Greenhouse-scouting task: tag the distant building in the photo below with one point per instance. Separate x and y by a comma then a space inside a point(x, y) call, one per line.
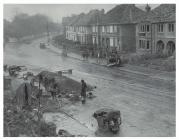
point(78, 29)
point(70, 30)
point(155, 33)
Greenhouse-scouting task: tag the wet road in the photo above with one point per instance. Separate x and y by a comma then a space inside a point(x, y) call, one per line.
point(147, 104)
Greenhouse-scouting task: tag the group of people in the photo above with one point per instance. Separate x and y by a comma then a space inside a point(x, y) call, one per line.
point(52, 87)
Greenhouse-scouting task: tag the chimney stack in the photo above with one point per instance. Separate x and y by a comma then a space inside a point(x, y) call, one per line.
point(147, 8)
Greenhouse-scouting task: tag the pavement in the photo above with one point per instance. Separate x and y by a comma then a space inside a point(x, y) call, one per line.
point(163, 75)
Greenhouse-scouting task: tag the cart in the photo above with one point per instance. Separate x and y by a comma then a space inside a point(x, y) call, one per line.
point(108, 119)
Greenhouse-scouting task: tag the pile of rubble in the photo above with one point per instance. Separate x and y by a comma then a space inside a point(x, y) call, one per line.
point(23, 110)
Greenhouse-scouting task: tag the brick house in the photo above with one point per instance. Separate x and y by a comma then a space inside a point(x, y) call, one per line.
point(116, 31)
point(155, 33)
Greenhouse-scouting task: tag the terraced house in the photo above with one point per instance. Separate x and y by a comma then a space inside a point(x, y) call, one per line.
point(79, 28)
point(155, 32)
point(69, 28)
point(125, 28)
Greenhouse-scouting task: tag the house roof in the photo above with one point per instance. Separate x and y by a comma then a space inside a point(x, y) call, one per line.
point(165, 13)
point(123, 14)
point(70, 20)
point(83, 19)
point(90, 18)
point(162, 13)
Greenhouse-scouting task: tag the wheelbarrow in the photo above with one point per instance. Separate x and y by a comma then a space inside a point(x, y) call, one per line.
point(108, 120)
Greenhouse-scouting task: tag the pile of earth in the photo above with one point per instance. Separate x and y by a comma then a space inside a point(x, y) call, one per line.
point(65, 84)
point(68, 91)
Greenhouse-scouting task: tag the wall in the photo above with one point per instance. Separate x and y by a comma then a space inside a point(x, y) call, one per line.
point(165, 36)
point(143, 35)
point(128, 37)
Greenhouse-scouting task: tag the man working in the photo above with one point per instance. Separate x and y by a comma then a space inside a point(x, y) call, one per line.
point(83, 91)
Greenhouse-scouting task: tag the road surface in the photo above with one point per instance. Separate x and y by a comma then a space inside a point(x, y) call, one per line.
point(147, 104)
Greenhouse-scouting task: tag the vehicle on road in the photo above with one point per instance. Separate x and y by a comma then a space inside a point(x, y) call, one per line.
point(114, 60)
point(42, 45)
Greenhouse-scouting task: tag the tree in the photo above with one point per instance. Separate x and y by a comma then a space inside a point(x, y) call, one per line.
point(25, 25)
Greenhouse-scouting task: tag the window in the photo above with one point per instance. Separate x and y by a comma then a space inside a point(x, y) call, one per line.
point(111, 42)
point(142, 44)
point(115, 29)
point(111, 29)
point(148, 44)
point(140, 28)
point(115, 42)
point(93, 28)
point(160, 27)
point(171, 27)
point(103, 29)
point(96, 29)
point(148, 28)
point(94, 40)
point(144, 28)
point(108, 29)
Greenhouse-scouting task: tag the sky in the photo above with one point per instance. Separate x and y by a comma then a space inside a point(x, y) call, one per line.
point(55, 11)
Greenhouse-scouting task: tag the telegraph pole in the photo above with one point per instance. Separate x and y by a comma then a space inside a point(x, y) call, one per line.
point(48, 38)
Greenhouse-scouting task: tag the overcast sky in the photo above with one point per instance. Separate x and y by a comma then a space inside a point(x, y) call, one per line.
point(55, 11)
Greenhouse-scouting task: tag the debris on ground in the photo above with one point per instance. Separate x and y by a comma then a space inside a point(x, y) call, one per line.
point(23, 109)
point(14, 70)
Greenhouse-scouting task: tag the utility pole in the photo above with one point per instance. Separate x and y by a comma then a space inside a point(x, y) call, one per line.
point(97, 33)
point(48, 36)
point(97, 40)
